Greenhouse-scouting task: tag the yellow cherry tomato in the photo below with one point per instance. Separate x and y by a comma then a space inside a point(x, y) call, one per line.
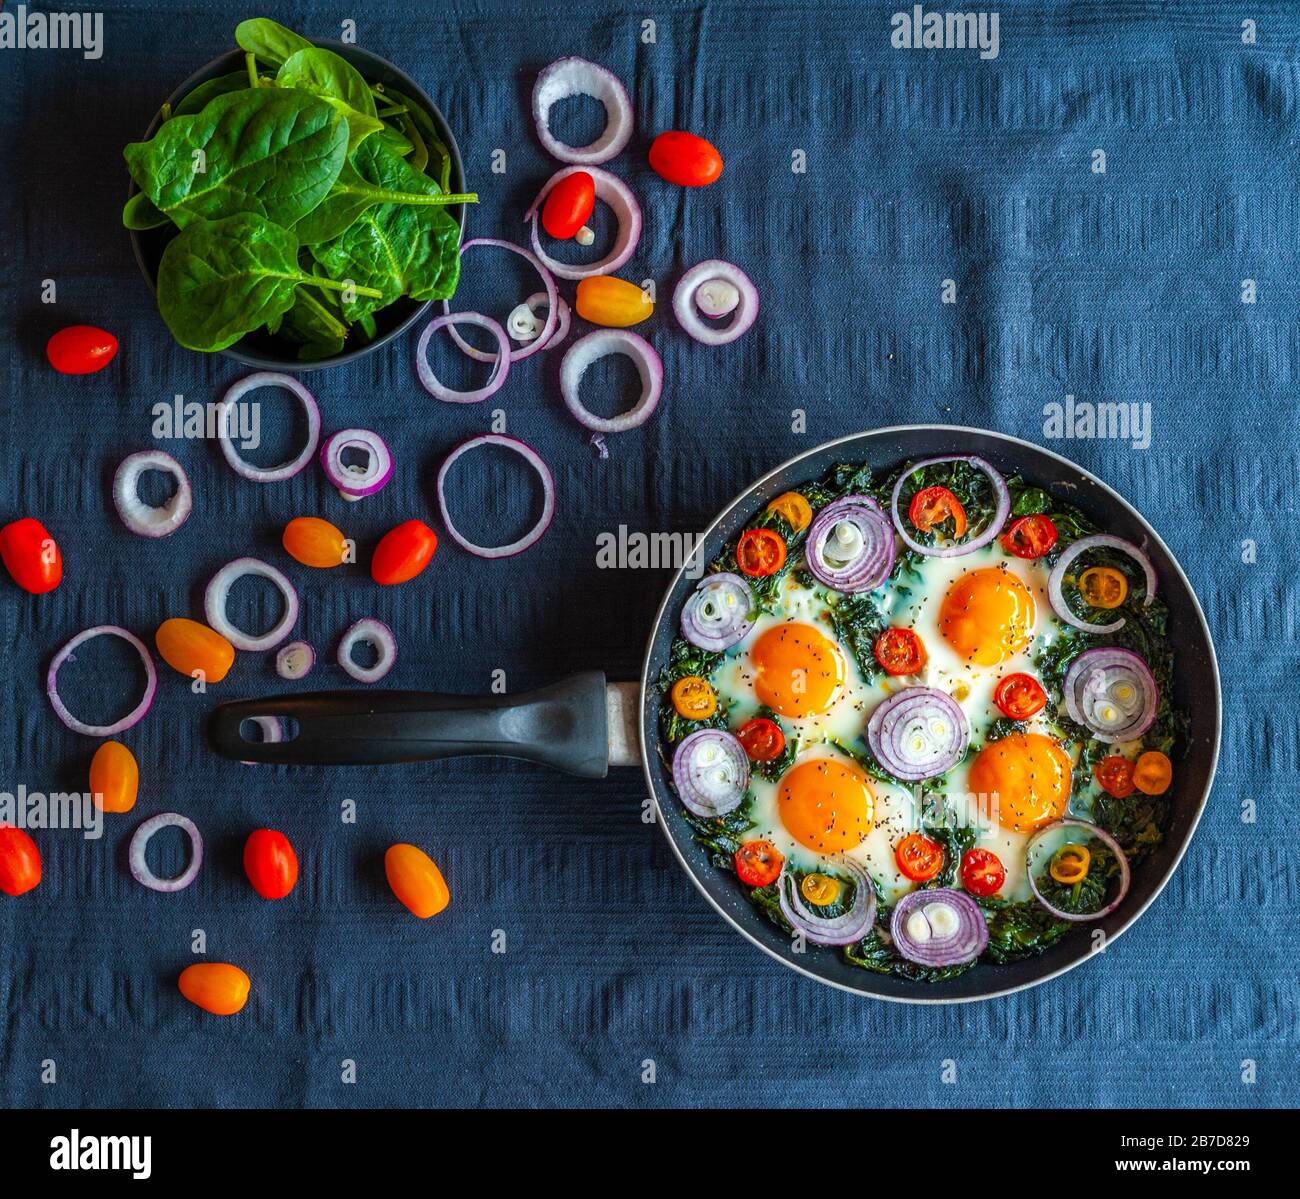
point(416, 880)
point(314, 542)
point(187, 646)
point(604, 300)
point(819, 889)
point(216, 987)
point(694, 698)
point(1102, 587)
point(796, 510)
point(114, 777)
point(1070, 864)
point(1152, 773)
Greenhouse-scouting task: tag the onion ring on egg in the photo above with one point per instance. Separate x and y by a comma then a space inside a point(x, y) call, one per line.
point(133, 717)
point(685, 302)
point(711, 772)
point(140, 517)
point(591, 348)
point(918, 733)
point(270, 474)
point(954, 933)
point(862, 533)
point(717, 614)
point(578, 77)
point(1072, 551)
point(1125, 874)
point(218, 591)
point(996, 521)
point(852, 926)
point(613, 192)
point(1089, 693)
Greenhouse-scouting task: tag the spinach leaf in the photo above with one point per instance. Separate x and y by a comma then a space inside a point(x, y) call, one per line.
point(336, 81)
point(315, 324)
point(223, 85)
point(439, 157)
point(396, 141)
point(140, 212)
point(269, 40)
point(1019, 929)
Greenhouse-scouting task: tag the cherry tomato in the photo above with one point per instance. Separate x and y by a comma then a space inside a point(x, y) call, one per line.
point(1020, 696)
point(760, 552)
point(694, 698)
point(758, 863)
point(1115, 774)
point(899, 651)
point(820, 889)
point(1153, 773)
point(416, 880)
point(615, 303)
point(919, 858)
point(80, 350)
point(194, 650)
point(1103, 587)
point(685, 159)
point(569, 205)
point(114, 778)
point(314, 542)
point(31, 556)
point(931, 506)
point(216, 987)
point(1030, 537)
point(982, 872)
point(762, 739)
point(403, 552)
point(20, 861)
point(270, 863)
point(1069, 864)
point(794, 508)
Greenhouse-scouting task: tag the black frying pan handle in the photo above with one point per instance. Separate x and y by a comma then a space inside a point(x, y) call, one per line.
point(563, 725)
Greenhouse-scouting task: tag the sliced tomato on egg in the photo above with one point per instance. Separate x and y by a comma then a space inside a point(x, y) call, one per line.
point(931, 506)
point(1020, 696)
point(760, 552)
point(900, 651)
point(758, 863)
point(762, 739)
point(1030, 536)
point(919, 858)
point(982, 872)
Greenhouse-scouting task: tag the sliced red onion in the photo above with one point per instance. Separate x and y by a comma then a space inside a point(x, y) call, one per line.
point(138, 516)
point(214, 604)
point(711, 772)
point(133, 717)
point(999, 518)
point(938, 926)
point(534, 460)
point(1111, 692)
point(851, 926)
point(538, 300)
point(501, 359)
point(1125, 874)
point(586, 350)
point(719, 612)
point(225, 410)
point(368, 632)
point(918, 733)
point(295, 660)
point(1057, 577)
point(577, 77)
point(850, 545)
point(610, 190)
point(692, 294)
point(140, 840)
point(552, 301)
point(356, 481)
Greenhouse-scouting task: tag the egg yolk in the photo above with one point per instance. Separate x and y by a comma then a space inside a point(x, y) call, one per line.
point(987, 616)
point(798, 670)
point(1023, 781)
point(826, 805)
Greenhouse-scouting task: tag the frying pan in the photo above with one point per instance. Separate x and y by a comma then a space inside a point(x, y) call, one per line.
point(584, 725)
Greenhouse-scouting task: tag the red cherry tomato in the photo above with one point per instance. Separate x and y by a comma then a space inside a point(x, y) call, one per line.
point(1020, 696)
point(1115, 774)
point(31, 556)
point(270, 863)
point(982, 872)
point(762, 739)
point(1030, 537)
point(932, 506)
point(899, 651)
point(759, 863)
point(403, 552)
point(80, 350)
point(20, 861)
point(919, 858)
point(760, 552)
point(685, 159)
point(569, 205)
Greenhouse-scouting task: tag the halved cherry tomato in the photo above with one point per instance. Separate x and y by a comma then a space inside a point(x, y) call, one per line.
point(31, 556)
point(114, 778)
point(314, 542)
point(416, 880)
point(614, 303)
point(931, 506)
point(20, 861)
point(569, 205)
point(403, 552)
point(982, 872)
point(1115, 774)
point(189, 648)
point(216, 987)
point(762, 739)
point(1070, 864)
point(1030, 536)
point(685, 159)
point(80, 350)
point(1020, 696)
point(820, 889)
point(694, 698)
point(758, 863)
point(919, 858)
point(794, 508)
point(899, 651)
point(1103, 587)
point(1153, 773)
point(760, 552)
point(270, 863)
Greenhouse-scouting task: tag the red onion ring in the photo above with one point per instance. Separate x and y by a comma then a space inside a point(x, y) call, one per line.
point(295, 660)
point(963, 944)
point(369, 632)
point(918, 733)
point(577, 77)
point(501, 359)
point(140, 517)
point(133, 717)
point(718, 613)
point(1091, 680)
point(705, 332)
point(610, 190)
point(999, 518)
point(562, 322)
point(354, 482)
point(140, 840)
point(548, 496)
point(874, 559)
point(594, 346)
point(552, 299)
point(710, 772)
point(271, 474)
point(1125, 874)
point(1072, 551)
point(218, 591)
point(851, 926)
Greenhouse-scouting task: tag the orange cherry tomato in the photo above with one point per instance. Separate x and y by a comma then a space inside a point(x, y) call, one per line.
point(416, 880)
point(403, 552)
point(314, 542)
point(20, 861)
point(919, 858)
point(685, 159)
point(216, 987)
point(900, 651)
point(1020, 696)
point(1030, 537)
point(794, 508)
point(931, 506)
point(760, 552)
point(982, 872)
point(1153, 772)
point(114, 778)
point(31, 556)
point(762, 739)
point(758, 863)
point(80, 350)
point(189, 647)
point(615, 303)
point(270, 863)
point(569, 205)
point(1115, 774)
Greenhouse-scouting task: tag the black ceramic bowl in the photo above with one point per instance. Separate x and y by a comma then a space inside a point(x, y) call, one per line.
point(260, 349)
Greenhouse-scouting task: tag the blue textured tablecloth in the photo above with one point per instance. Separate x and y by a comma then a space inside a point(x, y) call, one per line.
point(921, 166)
